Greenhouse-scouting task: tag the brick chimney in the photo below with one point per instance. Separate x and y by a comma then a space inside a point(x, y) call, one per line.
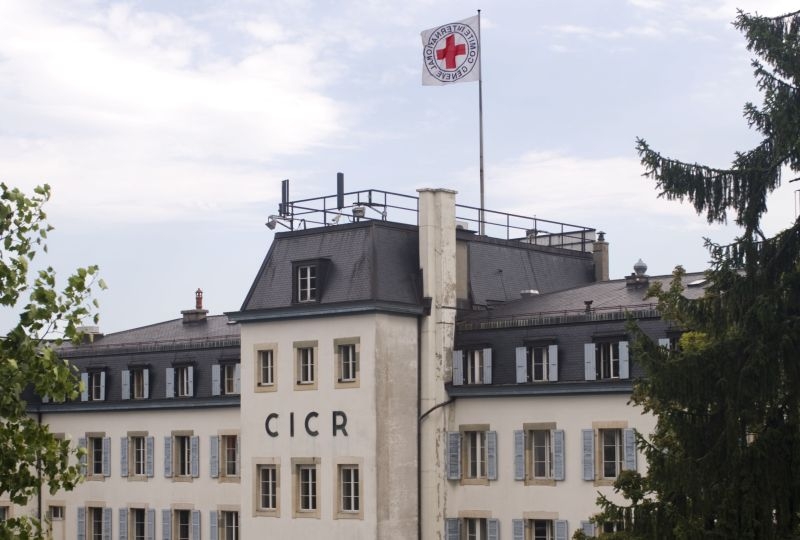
point(600, 257)
point(198, 314)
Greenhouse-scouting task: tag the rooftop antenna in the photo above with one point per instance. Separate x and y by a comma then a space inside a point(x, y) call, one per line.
point(339, 190)
point(283, 207)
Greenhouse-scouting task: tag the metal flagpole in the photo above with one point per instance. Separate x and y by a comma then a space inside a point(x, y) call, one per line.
point(482, 230)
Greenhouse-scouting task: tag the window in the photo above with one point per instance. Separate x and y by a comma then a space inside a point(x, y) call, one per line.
point(225, 379)
point(230, 455)
point(611, 452)
point(349, 491)
point(54, 512)
point(472, 366)
point(266, 368)
point(347, 363)
point(475, 528)
point(306, 283)
point(608, 449)
point(180, 381)
point(95, 456)
point(4, 513)
point(183, 456)
point(183, 524)
point(138, 455)
point(541, 453)
point(472, 454)
point(95, 462)
point(541, 529)
point(139, 383)
point(268, 488)
point(138, 523)
point(305, 365)
point(472, 528)
point(306, 487)
point(475, 455)
point(93, 385)
point(606, 360)
point(95, 521)
point(228, 525)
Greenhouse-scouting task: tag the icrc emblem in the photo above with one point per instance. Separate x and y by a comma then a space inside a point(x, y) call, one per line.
point(450, 52)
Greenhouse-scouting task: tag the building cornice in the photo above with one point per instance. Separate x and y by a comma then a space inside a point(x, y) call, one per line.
point(138, 405)
point(541, 389)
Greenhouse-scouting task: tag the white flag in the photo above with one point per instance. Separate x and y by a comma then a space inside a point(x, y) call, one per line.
point(451, 53)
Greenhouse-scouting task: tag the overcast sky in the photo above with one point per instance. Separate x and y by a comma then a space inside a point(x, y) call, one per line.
point(164, 128)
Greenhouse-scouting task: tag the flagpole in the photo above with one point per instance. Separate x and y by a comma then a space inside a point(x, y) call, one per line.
point(482, 230)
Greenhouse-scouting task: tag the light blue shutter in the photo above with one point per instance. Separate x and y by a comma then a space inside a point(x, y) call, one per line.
point(166, 524)
point(123, 524)
point(491, 455)
point(150, 524)
point(587, 436)
point(106, 456)
point(84, 387)
point(215, 385)
point(195, 524)
point(107, 512)
point(522, 364)
point(629, 447)
point(126, 384)
point(561, 529)
point(587, 527)
point(195, 456)
point(624, 364)
point(558, 454)
point(82, 444)
point(237, 378)
point(519, 455)
point(452, 529)
point(214, 456)
point(212, 521)
point(487, 366)
point(590, 372)
point(149, 457)
point(493, 529)
point(168, 457)
point(238, 446)
point(146, 383)
point(191, 380)
point(552, 359)
point(453, 455)
point(81, 523)
point(518, 529)
point(458, 368)
point(170, 380)
point(123, 457)
point(102, 386)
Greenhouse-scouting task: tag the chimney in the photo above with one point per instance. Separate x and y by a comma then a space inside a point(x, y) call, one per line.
point(600, 257)
point(198, 314)
point(638, 278)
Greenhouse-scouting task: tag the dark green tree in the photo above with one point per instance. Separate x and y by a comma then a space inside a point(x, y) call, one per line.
point(724, 459)
point(31, 458)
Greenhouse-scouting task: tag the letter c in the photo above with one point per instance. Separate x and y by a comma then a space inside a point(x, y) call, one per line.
point(270, 418)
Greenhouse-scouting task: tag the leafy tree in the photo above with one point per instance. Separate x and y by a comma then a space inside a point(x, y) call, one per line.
point(32, 458)
point(724, 459)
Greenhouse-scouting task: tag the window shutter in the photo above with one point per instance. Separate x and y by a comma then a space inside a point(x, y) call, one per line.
point(82, 444)
point(453, 455)
point(166, 524)
point(150, 524)
point(587, 527)
point(590, 372)
point(107, 456)
point(81, 523)
point(123, 524)
point(146, 383)
point(518, 529)
point(558, 454)
point(195, 449)
point(238, 446)
point(85, 388)
point(170, 376)
point(458, 368)
point(624, 364)
point(150, 441)
point(45, 399)
point(237, 378)
point(493, 529)
point(191, 380)
point(561, 529)
point(123, 457)
point(215, 385)
point(491, 455)
point(126, 384)
point(519, 455)
point(102, 386)
point(487, 366)
point(629, 447)
point(195, 524)
point(212, 521)
point(522, 364)
point(663, 342)
point(214, 456)
point(552, 359)
point(168, 457)
point(452, 529)
point(588, 453)
point(107, 523)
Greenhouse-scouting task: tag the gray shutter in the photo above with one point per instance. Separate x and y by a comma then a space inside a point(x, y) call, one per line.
point(238, 446)
point(487, 366)
point(146, 383)
point(107, 512)
point(166, 524)
point(663, 342)
point(168, 457)
point(493, 529)
point(215, 385)
point(519, 455)
point(123, 524)
point(552, 359)
point(82, 444)
point(102, 386)
point(45, 399)
point(123, 457)
point(212, 521)
point(191, 380)
point(590, 371)
point(518, 529)
point(452, 529)
point(629, 447)
point(106, 456)
point(458, 368)
point(561, 529)
point(522, 364)
point(170, 375)
point(491, 455)
point(587, 437)
point(150, 524)
point(587, 527)
point(237, 379)
point(453, 455)
point(214, 456)
point(195, 524)
point(85, 389)
point(624, 364)
point(150, 441)
point(126, 384)
point(195, 456)
point(81, 523)
point(558, 454)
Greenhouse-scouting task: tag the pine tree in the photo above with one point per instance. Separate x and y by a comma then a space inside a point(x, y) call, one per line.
point(724, 459)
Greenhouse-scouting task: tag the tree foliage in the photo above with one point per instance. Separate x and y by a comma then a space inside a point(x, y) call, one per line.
point(31, 458)
point(724, 459)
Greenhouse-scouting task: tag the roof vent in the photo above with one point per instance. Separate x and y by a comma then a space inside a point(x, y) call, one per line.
point(525, 293)
point(638, 278)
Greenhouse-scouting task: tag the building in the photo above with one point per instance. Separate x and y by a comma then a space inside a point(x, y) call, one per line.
point(380, 380)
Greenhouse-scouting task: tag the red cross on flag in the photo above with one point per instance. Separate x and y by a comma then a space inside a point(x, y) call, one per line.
point(451, 53)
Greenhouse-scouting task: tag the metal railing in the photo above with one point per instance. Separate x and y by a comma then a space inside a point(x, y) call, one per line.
point(565, 316)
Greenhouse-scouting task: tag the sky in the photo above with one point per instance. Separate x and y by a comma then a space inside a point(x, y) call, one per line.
point(165, 127)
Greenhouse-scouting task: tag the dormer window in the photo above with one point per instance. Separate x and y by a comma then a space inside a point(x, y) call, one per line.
point(307, 283)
